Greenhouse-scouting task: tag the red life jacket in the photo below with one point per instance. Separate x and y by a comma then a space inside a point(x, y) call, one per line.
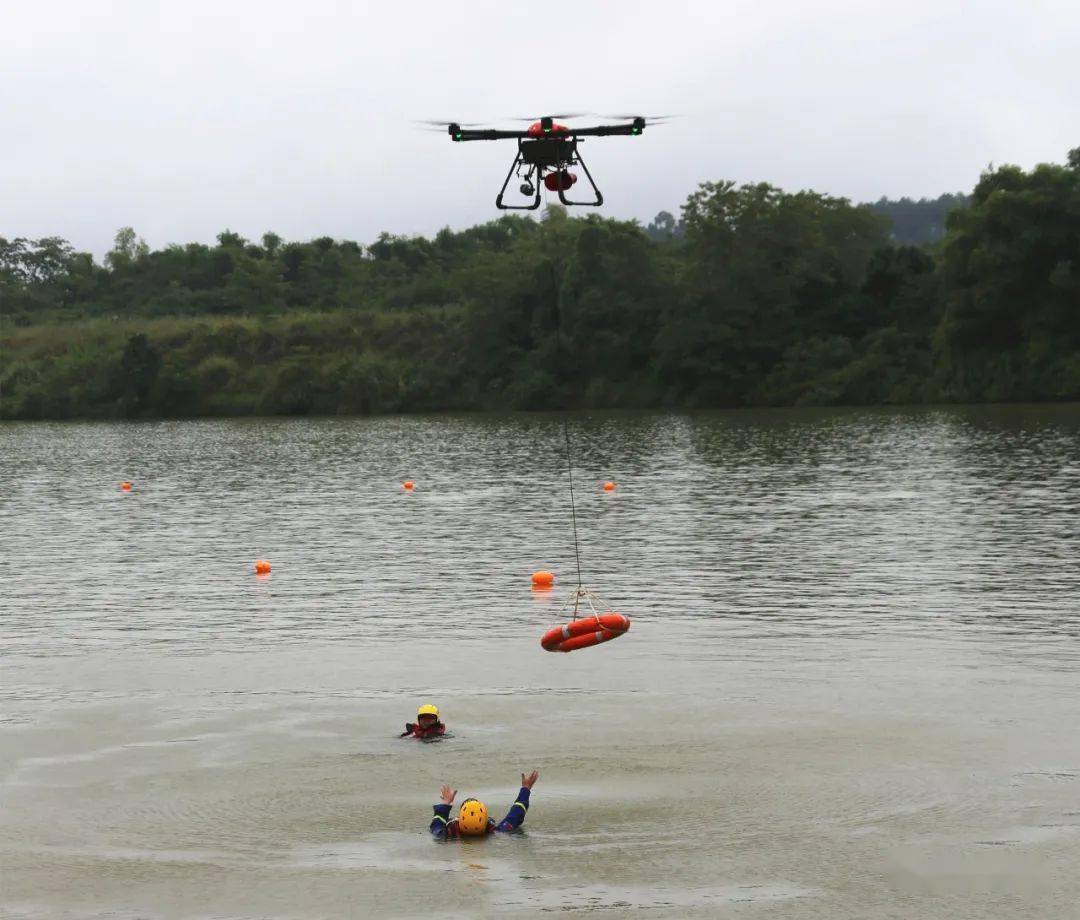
point(437, 729)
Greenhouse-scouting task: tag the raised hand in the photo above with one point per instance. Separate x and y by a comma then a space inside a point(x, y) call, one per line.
point(529, 781)
point(447, 794)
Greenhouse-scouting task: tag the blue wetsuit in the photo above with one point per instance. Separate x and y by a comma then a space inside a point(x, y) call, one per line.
point(445, 829)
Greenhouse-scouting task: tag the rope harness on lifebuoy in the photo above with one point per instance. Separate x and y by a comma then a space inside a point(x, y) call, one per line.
point(590, 630)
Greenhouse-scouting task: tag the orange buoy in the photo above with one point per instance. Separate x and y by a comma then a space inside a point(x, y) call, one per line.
point(609, 486)
point(262, 567)
point(582, 633)
point(543, 579)
point(408, 485)
point(125, 486)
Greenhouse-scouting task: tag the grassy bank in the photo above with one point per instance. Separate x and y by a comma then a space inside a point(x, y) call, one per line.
point(296, 363)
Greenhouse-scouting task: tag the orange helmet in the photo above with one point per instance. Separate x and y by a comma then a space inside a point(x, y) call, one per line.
point(473, 818)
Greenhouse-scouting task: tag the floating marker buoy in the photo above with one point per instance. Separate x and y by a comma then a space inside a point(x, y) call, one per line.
point(262, 567)
point(125, 487)
point(408, 485)
point(609, 486)
point(543, 579)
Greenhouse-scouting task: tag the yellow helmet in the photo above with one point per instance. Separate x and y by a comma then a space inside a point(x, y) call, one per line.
point(473, 818)
point(428, 710)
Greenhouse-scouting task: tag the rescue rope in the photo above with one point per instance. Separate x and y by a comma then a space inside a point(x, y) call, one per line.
point(573, 510)
point(566, 439)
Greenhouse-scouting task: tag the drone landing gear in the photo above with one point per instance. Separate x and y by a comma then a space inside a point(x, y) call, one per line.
point(599, 199)
point(535, 157)
point(527, 184)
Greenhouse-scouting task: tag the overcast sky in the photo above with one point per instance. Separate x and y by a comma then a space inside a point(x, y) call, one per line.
point(185, 118)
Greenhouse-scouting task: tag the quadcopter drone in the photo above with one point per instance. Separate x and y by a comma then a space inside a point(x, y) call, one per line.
point(545, 152)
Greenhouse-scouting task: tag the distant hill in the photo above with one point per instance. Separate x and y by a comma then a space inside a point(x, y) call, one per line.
point(917, 223)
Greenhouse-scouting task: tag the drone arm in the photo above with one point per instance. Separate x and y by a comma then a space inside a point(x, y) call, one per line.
point(485, 134)
point(609, 131)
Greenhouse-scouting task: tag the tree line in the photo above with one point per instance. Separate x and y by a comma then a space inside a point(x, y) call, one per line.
point(919, 222)
point(753, 296)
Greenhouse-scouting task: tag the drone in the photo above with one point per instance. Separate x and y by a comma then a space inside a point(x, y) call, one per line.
point(546, 151)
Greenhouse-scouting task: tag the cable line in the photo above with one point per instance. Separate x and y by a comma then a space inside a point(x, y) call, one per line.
point(573, 511)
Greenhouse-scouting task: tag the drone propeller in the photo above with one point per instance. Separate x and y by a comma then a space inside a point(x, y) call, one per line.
point(649, 119)
point(441, 127)
point(445, 123)
point(565, 115)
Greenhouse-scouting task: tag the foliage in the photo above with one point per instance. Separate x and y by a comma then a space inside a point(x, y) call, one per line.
point(753, 296)
point(1011, 327)
point(921, 222)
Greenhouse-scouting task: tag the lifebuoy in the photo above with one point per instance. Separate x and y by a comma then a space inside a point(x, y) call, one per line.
point(583, 633)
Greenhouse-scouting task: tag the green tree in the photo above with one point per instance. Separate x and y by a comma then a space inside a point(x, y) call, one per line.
point(127, 248)
point(1011, 328)
point(140, 363)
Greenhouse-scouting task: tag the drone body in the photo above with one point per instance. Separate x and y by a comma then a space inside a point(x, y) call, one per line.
point(546, 151)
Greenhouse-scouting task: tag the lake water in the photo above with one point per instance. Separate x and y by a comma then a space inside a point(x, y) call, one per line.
point(851, 686)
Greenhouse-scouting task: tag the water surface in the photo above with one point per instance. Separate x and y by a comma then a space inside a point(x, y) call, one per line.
point(849, 690)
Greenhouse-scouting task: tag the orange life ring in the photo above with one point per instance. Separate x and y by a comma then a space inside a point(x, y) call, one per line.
point(583, 633)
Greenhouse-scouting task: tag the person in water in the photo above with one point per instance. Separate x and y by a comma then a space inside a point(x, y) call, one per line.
point(473, 820)
point(427, 725)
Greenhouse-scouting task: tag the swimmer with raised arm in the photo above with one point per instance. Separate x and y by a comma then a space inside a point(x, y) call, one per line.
point(472, 819)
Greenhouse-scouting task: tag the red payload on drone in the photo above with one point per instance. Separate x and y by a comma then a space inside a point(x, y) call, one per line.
point(559, 181)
